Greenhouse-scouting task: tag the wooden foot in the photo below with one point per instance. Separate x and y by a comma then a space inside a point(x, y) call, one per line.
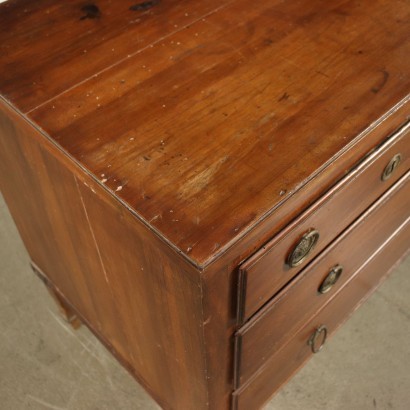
point(65, 310)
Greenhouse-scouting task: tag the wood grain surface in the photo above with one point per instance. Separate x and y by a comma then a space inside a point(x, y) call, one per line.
point(208, 127)
point(49, 46)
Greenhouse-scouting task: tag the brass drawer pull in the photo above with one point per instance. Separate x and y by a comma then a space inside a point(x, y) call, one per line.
point(321, 330)
point(303, 248)
point(331, 279)
point(391, 167)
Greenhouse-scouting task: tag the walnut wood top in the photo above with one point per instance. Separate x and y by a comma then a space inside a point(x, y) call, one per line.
point(204, 116)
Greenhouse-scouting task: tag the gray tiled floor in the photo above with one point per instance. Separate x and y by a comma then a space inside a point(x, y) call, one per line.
point(46, 365)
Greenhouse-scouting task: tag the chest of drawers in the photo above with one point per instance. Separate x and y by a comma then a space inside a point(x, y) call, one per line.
point(211, 187)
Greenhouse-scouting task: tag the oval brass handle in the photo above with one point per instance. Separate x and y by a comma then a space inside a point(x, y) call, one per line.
point(312, 342)
point(331, 279)
point(391, 167)
point(303, 248)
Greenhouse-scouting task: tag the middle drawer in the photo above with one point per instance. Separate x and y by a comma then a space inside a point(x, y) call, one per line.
point(258, 339)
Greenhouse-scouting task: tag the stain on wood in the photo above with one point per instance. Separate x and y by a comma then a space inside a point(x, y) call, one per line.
point(285, 96)
point(382, 82)
point(146, 5)
point(91, 12)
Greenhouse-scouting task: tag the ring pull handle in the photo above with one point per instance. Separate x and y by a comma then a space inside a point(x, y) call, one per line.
point(391, 167)
point(331, 279)
point(303, 248)
point(320, 335)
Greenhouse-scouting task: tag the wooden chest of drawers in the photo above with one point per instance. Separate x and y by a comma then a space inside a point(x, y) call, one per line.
point(212, 187)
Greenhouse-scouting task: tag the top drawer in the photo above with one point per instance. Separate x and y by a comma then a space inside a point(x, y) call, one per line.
point(286, 254)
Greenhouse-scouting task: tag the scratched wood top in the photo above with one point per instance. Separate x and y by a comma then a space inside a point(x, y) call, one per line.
point(203, 117)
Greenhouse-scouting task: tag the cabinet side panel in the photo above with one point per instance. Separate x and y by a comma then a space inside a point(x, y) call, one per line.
point(219, 328)
point(46, 208)
point(159, 299)
point(141, 299)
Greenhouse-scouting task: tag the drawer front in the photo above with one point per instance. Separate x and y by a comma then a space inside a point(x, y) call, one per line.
point(270, 269)
point(318, 282)
point(291, 356)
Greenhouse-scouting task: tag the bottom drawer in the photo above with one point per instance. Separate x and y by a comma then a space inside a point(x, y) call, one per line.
point(292, 355)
